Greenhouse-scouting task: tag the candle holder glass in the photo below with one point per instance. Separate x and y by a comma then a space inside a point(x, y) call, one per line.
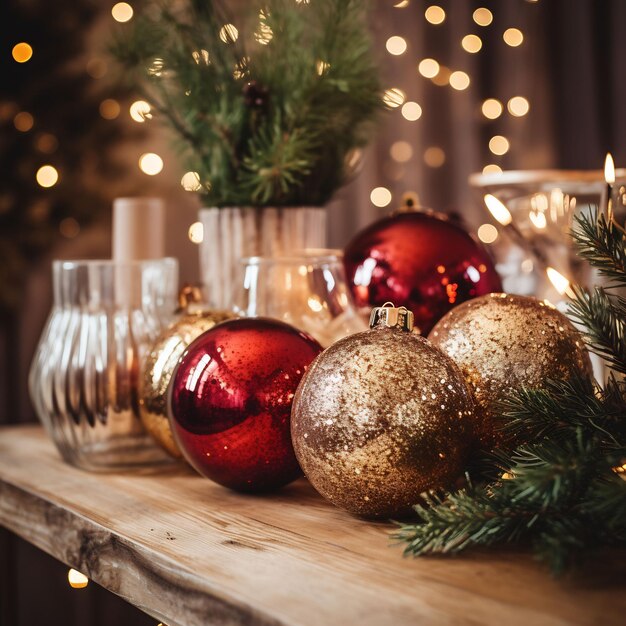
point(307, 290)
point(83, 379)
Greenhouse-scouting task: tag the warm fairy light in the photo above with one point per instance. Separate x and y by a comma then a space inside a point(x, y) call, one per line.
point(471, 43)
point(492, 108)
point(498, 210)
point(196, 232)
point(140, 111)
point(434, 156)
point(201, 55)
point(401, 151)
point(483, 17)
point(459, 80)
point(492, 168)
point(561, 284)
point(109, 109)
point(229, 33)
point(394, 97)
point(609, 169)
point(435, 15)
point(428, 68)
point(122, 12)
point(396, 45)
point(321, 67)
point(499, 145)
point(156, 68)
point(487, 233)
point(399, 5)
point(411, 111)
point(443, 76)
point(191, 181)
point(150, 163)
point(538, 219)
point(518, 106)
point(77, 580)
point(22, 52)
point(513, 37)
point(47, 176)
point(23, 121)
point(380, 196)
point(69, 228)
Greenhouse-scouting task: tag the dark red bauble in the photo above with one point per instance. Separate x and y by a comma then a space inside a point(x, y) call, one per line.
point(420, 260)
point(230, 402)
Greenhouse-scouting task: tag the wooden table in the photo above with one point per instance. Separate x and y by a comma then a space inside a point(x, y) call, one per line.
point(191, 553)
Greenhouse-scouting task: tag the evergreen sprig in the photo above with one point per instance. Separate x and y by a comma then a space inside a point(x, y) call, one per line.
point(269, 113)
point(563, 493)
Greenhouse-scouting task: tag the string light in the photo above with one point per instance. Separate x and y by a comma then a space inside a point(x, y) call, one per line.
point(196, 232)
point(434, 156)
point(122, 12)
point(401, 151)
point(396, 45)
point(77, 580)
point(228, 33)
point(513, 37)
point(518, 106)
point(22, 52)
point(487, 233)
point(471, 43)
point(109, 109)
point(428, 68)
point(23, 121)
point(150, 163)
point(492, 168)
point(380, 196)
point(492, 108)
point(499, 145)
point(411, 111)
point(47, 176)
point(140, 111)
point(482, 16)
point(394, 97)
point(459, 80)
point(435, 15)
point(191, 181)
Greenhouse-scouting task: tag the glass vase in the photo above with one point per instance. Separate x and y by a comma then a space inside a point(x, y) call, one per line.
point(232, 233)
point(308, 291)
point(83, 379)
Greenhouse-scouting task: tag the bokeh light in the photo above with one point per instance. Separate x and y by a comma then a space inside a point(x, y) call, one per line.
point(487, 233)
point(435, 15)
point(47, 176)
point(109, 109)
point(22, 52)
point(459, 80)
point(77, 580)
point(428, 68)
point(150, 163)
point(492, 108)
point(69, 228)
point(396, 45)
point(140, 111)
point(229, 33)
point(191, 181)
point(492, 168)
point(380, 196)
point(196, 232)
point(471, 43)
point(499, 145)
point(122, 12)
point(23, 121)
point(401, 151)
point(434, 156)
point(518, 106)
point(394, 97)
point(482, 16)
point(411, 111)
point(513, 37)
point(442, 78)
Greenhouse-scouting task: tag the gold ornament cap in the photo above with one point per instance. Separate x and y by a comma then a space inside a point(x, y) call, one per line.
point(392, 317)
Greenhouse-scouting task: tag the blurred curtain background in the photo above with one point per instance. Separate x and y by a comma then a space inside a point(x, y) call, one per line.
point(62, 107)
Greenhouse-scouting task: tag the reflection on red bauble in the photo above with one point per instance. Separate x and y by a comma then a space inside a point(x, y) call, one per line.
point(420, 260)
point(230, 402)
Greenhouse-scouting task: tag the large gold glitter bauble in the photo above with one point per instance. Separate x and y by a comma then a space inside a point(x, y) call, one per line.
point(503, 342)
point(380, 417)
point(158, 366)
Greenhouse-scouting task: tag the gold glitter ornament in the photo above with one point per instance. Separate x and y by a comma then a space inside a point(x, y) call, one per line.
point(158, 365)
point(504, 342)
point(380, 417)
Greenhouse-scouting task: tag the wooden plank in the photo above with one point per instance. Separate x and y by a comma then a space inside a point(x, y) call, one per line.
point(191, 553)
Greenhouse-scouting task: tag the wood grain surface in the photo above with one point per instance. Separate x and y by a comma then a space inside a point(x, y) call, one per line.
point(191, 553)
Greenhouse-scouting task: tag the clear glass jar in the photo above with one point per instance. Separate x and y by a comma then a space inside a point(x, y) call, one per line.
point(83, 379)
point(307, 290)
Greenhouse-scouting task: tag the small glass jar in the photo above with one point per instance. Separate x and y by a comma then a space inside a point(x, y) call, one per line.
point(83, 379)
point(307, 290)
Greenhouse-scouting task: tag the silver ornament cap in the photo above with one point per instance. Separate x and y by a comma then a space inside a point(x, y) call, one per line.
point(391, 316)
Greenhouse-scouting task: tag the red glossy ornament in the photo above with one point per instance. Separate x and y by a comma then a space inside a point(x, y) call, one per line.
point(230, 402)
point(420, 260)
